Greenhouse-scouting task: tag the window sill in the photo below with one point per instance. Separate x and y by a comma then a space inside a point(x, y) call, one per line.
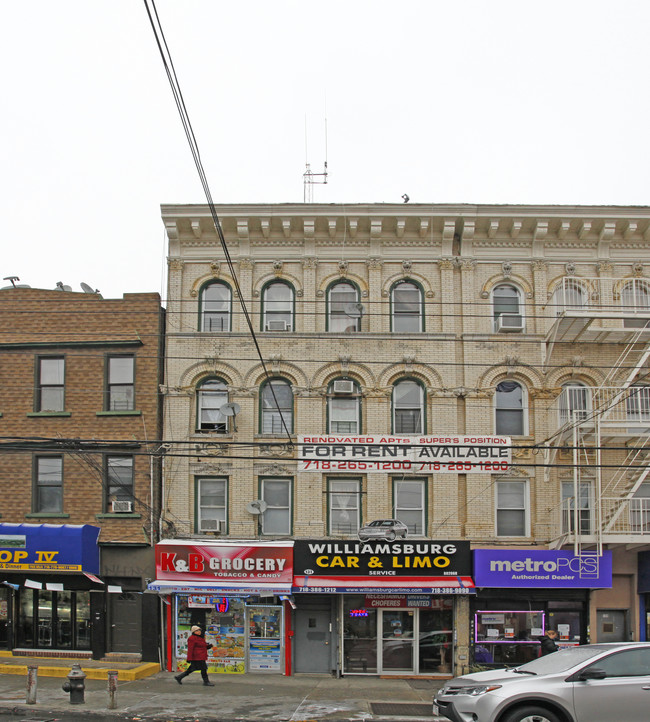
point(134, 412)
point(47, 515)
point(118, 515)
point(50, 413)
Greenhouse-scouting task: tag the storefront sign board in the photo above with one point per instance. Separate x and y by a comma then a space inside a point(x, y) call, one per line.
point(49, 548)
point(442, 453)
point(541, 568)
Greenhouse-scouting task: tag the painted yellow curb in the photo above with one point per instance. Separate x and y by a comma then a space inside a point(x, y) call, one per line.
point(123, 675)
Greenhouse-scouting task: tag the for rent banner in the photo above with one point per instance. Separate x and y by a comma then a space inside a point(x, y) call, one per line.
point(415, 454)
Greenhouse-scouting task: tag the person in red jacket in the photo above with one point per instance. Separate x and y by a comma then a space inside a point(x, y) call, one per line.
point(197, 656)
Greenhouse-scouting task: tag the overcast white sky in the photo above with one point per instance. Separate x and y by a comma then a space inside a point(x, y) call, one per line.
point(447, 100)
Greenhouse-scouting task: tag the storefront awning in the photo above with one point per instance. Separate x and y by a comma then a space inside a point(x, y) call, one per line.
point(410, 585)
point(172, 587)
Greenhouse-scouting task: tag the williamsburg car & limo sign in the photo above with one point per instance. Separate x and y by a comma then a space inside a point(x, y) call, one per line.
point(425, 567)
point(417, 454)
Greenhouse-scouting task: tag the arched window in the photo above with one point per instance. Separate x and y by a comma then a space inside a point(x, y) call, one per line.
point(635, 300)
point(509, 409)
point(277, 307)
point(212, 394)
point(344, 309)
point(276, 404)
point(575, 402)
point(408, 407)
point(506, 307)
point(569, 295)
point(407, 308)
point(343, 407)
point(216, 307)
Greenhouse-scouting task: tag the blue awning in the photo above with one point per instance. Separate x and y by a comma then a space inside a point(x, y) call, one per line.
point(48, 548)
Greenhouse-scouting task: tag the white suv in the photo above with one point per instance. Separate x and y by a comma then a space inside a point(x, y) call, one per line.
point(592, 683)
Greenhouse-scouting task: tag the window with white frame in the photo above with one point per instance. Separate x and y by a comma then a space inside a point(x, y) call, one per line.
point(637, 404)
point(276, 518)
point(276, 400)
point(408, 407)
point(409, 504)
point(635, 300)
point(640, 509)
point(407, 307)
point(575, 403)
point(582, 509)
point(511, 508)
point(506, 308)
point(212, 504)
point(344, 309)
point(510, 417)
point(50, 385)
point(343, 407)
point(48, 488)
point(569, 295)
point(120, 390)
point(344, 506)
point(277, 307)
point(212, 395)
point(216, 307)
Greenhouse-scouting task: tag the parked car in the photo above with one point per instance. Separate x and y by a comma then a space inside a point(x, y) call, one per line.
point(383, 529)
point(589, 683)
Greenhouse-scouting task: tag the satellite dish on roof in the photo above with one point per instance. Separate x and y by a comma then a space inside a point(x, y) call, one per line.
point(257, 506)
point(230, 409)
point(88, 289)
point(354, 310)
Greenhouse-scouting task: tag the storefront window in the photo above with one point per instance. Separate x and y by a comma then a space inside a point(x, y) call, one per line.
point(435, 639)
point(359, 635)
point(397, 640)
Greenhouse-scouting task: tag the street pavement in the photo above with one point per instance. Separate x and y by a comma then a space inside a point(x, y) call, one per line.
point(248, 697)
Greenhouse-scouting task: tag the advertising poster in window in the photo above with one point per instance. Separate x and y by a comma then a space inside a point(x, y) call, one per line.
point(414, 454)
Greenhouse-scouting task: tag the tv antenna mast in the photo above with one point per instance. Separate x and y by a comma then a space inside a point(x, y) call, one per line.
point(309, 178)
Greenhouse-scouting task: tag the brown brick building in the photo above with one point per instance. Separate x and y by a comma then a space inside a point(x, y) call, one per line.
point(81, 426)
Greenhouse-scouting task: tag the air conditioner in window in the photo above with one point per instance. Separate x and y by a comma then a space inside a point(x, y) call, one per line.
point(277, 326)
point(121, 506)
point(343, 387)
point(218, 525)
point(510, 322)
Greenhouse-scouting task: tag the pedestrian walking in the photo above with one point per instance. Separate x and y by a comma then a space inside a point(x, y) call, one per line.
point(197, 656)
point(548, 642)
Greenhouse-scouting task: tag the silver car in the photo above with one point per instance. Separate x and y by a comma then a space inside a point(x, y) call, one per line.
point(591, 683)
point(383, 529)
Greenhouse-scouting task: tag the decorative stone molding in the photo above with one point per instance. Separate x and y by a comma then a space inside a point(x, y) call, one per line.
point(353, 225)
point(215, 268)
point(194, 292)
point(211, 449)
point(177, 390)
point(345, 362)
point(265, 223)
point(276, 450)
point(310, 263)
point(243, 390)
point(637, 269)
point(277, 267)
point(446, 264)
point(196, 228)
point(515, 228)
point(630, 229)
point(242, 229)
point(542, 393)
point(605, 268)
point(273, 470)
point(172, 230)
point(493, 227)
point(563, 230)
point(585, 229)
point(286, 227)
point(430, 294)
point(467, 264)
point(175, 264)
point(570, 268)
point(506, 267)
point(400, 227)
point(374, 263)
point(309, 227)
point(424, 227)
point(246, 263)
point(212, 468)
point(308, 391)
point(407, 266)
point(375, 228)
point(320, 293)
point(343, 267)
point(409, 360)
point(331, 227)
point(539, 266)
point(511, 361)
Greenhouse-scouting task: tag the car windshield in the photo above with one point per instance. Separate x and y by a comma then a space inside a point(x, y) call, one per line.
point(381, 522)
point(560, 661)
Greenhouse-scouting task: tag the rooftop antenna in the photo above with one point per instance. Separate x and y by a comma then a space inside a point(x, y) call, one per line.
point(13, 280)
point(309, 178)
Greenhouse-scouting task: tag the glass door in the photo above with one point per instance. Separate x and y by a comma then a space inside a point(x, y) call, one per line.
point(397, 638)
point(55, 620)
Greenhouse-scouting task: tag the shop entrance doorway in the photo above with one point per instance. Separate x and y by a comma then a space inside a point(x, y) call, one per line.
point(312, 654)
point(397, 640)
point(612, 625)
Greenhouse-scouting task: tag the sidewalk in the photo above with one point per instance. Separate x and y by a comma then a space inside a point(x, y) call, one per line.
point(235, 697)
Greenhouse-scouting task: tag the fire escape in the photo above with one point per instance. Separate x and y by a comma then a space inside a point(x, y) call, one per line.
point(603, 433)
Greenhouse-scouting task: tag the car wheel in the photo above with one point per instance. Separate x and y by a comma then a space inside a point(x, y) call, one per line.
point(390, 536)
point(530, 713)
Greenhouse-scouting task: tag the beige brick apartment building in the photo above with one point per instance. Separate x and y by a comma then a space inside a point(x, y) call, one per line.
point(80, 413)
point(431, 321)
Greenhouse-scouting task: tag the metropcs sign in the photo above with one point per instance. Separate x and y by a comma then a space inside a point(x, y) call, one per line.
point(415, 454)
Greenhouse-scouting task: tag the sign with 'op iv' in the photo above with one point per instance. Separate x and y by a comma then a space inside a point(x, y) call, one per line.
point(420, 454)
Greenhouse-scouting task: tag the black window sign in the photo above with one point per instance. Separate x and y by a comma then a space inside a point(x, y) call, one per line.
point(376, 559)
